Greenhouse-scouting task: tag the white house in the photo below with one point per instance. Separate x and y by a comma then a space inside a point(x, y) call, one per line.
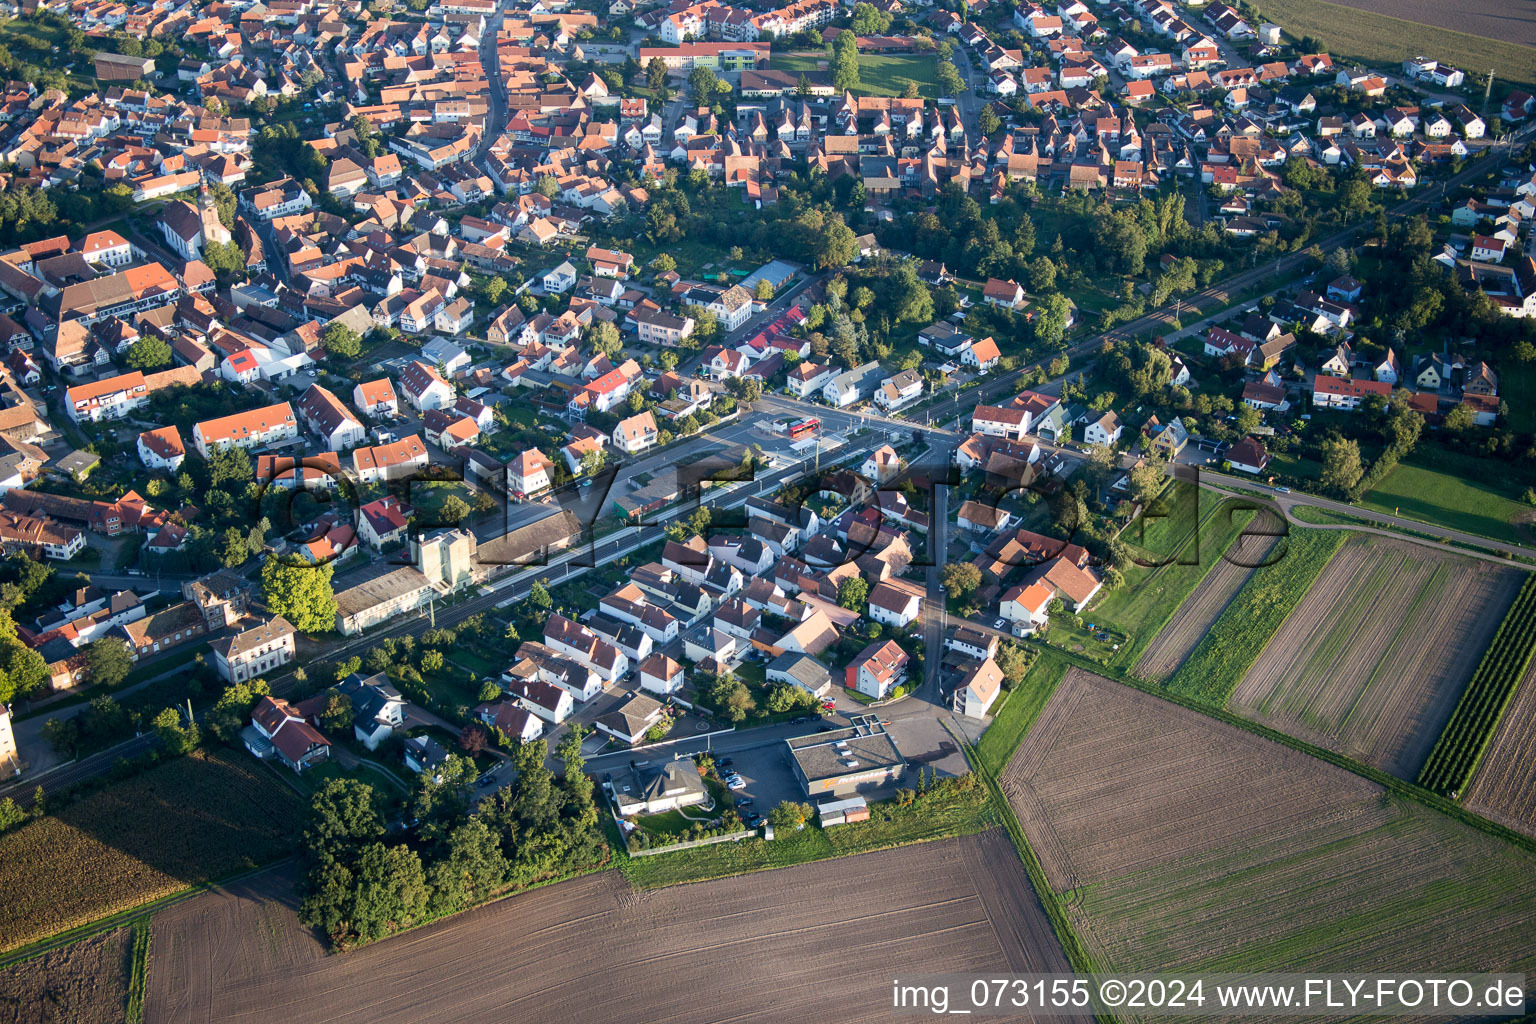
point(1105, 430)
point(978, 689)
point(636, 433)
point(894, 605)
point(660, 674)
point(424, 387)
point(1027, 607)
point(852, 385)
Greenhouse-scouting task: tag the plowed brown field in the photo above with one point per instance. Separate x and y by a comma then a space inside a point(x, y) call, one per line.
point(85, 982)
point(1372, 661)
point(816, 942)
point(1504, 787)
point(1181, 842)
point(1168, 650)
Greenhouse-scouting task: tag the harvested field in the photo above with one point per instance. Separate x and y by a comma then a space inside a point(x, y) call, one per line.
point(1504, 786)
point(1178, 638)
point(1373, 659)
point(182, 822)
point(1184, 843)
point(748, 948)
point(85, 982)
point(1491, 19)
point(1493, 34)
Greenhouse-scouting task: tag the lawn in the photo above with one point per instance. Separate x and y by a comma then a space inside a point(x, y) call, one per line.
point(186, 821)
point(1479, 498)
point(879, 74)
point(1352, 35)
point(1151, 595)
point(1518, 381)
point(937, 815)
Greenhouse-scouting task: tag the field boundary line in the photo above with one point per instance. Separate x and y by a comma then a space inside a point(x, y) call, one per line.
point(1412, 790)
point(138, 970)
point(128, 917)
point(1071, 944)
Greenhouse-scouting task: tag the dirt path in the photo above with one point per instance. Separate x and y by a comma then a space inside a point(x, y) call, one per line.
point(1167, 651)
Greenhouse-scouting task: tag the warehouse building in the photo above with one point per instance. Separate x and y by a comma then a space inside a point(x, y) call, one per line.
point(845, 762)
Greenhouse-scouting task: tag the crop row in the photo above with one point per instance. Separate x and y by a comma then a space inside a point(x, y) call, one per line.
point(1237, 637)
point(1472, 724)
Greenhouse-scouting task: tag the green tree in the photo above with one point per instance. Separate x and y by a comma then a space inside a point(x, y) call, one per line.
point(174, 736)
point(960, 579)
point(453, 511)
point(1014, 663)
point(473, 868)
point(1042, 275)
point(605, 338)
point(148, 353)
point(336, 713)
point(341, 340)
point(852, 593)
point(790, 816)
point(949, 78)
point(763, 290)
point(656, 74)
point(845, 62)
point(10, 815)
point(342, 818)
point(988, 122)
point(230, 712)
point(494, 289)
point(301, 593)
point(107, 661)
point(1341, 465)
point(389, 891)
point(229, 464)
point(1461, 419)
point(547, 186)
point(704, 85)
point(223, 258)
point(22, 669)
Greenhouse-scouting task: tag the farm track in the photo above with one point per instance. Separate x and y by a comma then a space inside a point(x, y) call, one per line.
point(1373, 659)
point(1504, 786)
point(1176, 640)
point(1191, 844)
point(593, 949)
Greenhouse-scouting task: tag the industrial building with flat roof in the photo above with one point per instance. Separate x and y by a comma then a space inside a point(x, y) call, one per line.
point(844, 762)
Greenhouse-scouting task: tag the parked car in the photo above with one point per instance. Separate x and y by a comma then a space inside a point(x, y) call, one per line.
point(724, 762)
point(755, 820)
point(736, 783)
point(743, 801)
point(823, 728)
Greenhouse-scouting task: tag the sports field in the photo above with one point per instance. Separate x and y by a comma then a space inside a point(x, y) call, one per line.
point(879, 74)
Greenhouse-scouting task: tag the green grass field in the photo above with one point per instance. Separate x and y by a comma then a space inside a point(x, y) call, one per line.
point(1353, 35)
point(1152, 594)
point(879, 74)
point(937, 815)
point(1019, 712)
point(1517, 382)
point(1236, 638)
point(1479, 501)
